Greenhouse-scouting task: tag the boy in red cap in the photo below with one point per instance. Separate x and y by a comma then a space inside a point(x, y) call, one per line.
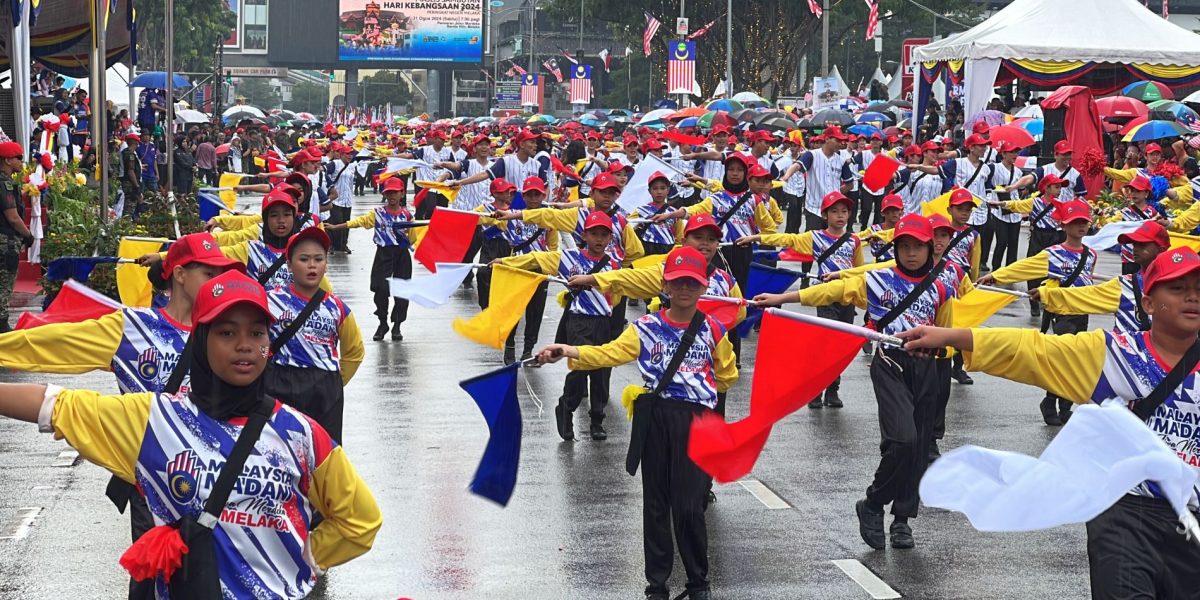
point(658, 238)
point(1137, 191)
point(898, 299)
point(711, 160)
point(920, 180)
point(1135, 548)
point(1006, 183)
point(1072, 181)
point(1069, 264)
point(890, 208)
point(1044, 229)
point(587, 318)
point(674, 488)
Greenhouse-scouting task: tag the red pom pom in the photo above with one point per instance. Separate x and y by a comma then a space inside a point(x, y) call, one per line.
point(1168, 170)
point(47, 161)
point(1091, 163)
point(158, 552)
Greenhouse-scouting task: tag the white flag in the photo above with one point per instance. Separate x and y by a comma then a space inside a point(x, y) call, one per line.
point(1107, 236)
point(637, 191)
point(1101, 454)
point(395, 163)
point(432, 291)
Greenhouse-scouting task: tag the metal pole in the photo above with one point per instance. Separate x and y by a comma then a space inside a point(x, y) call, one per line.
point(532, 32)
point(170, 127)
point(825, 40)
point(729, 48)
point(581, 26)
point(682, 14)
point(628, 80)
point(99, 106)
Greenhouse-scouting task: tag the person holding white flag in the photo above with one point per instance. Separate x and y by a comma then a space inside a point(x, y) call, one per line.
point(1134, 547)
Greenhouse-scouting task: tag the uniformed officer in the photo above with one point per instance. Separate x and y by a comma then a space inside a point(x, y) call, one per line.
point(13, 232)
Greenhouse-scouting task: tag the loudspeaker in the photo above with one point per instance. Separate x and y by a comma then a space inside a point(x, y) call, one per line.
point(1054, 129)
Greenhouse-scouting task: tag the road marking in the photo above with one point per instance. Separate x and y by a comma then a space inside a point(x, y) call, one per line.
point(868, 581)
point(66, 458)
point(764, 494)
point(21, 529)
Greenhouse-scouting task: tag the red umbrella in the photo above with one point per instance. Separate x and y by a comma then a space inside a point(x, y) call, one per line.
point(223, 149)
point(1013, 135)
point(1122, 107)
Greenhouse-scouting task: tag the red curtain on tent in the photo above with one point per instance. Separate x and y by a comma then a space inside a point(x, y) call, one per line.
point(1082, 126)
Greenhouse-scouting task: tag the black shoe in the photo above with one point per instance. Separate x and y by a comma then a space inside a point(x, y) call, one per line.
point(934, 452)
point(396, 335)
point(526, 355)
point(633, 302)
point(1050, 412)
point(816, 403)
point(658, 596)
point(961, 376)
point(870, 525)
point(598, 433)
point(710, 499)
point(347, 251)
point(563, 418)
point(832, 400)
point(901, 534)
point(1064, 410)
point(468, 284)
point(510, 355)
point(380, 332)
point(868, 348)
point(1035, 310)
point(699, 595)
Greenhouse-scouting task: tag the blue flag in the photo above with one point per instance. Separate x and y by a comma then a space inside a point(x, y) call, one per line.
point(78, 268)
point(496, 394)
point(764, 280)
point(209, 205)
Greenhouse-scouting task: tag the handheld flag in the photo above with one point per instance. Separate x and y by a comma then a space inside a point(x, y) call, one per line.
point(432, 291)
point(132, 284)
point(937, 206)
point(495, 393)
point(726, 311)
point(74, 303)
point(685, 139)
point(229, 196)
point(764, 280)
point(448, 237)
point(976, 307)
point(1107, 236)
point(637, 191)
point(511, 291)
point(881, 171)
point(78, 268)
point(209, 205)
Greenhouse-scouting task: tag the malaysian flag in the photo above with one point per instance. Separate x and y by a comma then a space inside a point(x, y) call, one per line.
point(697, 34)
point(489, 75)
point(652, 26)
point(552, 66)
point(519, 69)
point(567, 54)
point(815, 7)
point(529, 89)
point(873, 16)
point(681, 67)
point(580, 91)
point(1166, 9)
point(606, 56)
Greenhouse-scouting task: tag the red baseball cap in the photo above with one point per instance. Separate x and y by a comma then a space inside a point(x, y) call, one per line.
point(1170, 266)
point(759, 171)
point(742, 158)
point(310, 233)
point(962, 196)
point(394, 184)
point(225, 291)
point(1153, 147)
point(656, 176)
point(891, 201)
point(1150, 232)
point(11, 150)
point(1074, 210)
point(686, 263)
point(974, 140)
point(133, 137)
point(651, 144)
point(500, 185)
point(914, 226)
point(302, 157)
point(525, 134)
point(598, 218)
point(700, 221)
point(758, 136)
point(533, 183)
point(198, 248)
point(913, 150)
point(277, 197)
point(835, 197)
point(437, 133)
point(1062, 147)
point(721, 129)
point(1140, 182)
point(931, 146)
point(939, 221)
point(1050, 180)
point(980, 127)
point(605, 181)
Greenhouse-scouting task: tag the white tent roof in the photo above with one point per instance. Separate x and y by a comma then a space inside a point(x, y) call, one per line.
point(1113, 31)
point(843, 89)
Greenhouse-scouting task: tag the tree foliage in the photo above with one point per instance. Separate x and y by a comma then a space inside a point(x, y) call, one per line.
point(384, 87)
point(308, 97)
point(199, 24)
point(259, 92)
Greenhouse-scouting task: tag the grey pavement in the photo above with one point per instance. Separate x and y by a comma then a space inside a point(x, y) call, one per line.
point(573, 527)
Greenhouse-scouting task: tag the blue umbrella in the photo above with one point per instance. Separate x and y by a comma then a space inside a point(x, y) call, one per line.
point(725, 105)
point(864, 129)
point(874, 118)
point(157, 80)
point(689, 122)
point(666, 103)
point(1155, 130)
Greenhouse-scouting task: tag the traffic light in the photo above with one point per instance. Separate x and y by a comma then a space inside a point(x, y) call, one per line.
point(228, 78)
point(332, 77)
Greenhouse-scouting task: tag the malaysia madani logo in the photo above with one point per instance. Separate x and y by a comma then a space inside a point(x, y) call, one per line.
point(207, 245)
point(147, 364)
point(183, 474)
point(217, 290)
point(1177, 258)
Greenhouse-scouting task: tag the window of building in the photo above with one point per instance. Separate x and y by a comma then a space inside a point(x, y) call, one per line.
point(254, 25)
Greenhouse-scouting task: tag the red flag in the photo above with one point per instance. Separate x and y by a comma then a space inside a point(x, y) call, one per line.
point(791, 255)
point(448, 237)
point(873, 17)
point(562, 169)
point(74, 304)
point(724, 311)
point(685, 139)
point(881, 171)
point(782, 385)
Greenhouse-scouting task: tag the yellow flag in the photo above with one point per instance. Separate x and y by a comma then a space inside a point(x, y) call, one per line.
point(652, 260)
point(1179, 240)
point(229, 180)
point(132, 285)
point(511, 291)
point(977, 306)
point(440, 187)
point(937, 206)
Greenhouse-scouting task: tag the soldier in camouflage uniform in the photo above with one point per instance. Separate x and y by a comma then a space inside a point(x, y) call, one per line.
point(13, 232)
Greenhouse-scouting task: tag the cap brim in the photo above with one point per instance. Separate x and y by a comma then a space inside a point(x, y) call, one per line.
point(225, 305)
point(919, 238)
point(218, 262)
point(1077, 218)
point(685, 275)
point(712, 226)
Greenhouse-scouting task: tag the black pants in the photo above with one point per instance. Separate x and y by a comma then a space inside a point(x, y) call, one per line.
point(812, 222)
point(472, 252)
point(586, 330)
point(433, 200)
point(360, 184)
point(868, 208)
point(1040, 239)
point(1064, 325)
point(1008, 236)
point(943, 368)
point(140, 521)
point(986, 233)
point(390, 261)
point(793, 214)
point(738, 259)
point(534, 311)
point(654, 248)
point(339, 214)
point(208, 176)
point(838, 312)
point(673, 495)
point(489, 250)
point(906, 392)
point(314, 392)
point(1135, 553)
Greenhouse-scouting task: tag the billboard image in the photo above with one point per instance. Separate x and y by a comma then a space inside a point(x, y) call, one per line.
point(410, 30)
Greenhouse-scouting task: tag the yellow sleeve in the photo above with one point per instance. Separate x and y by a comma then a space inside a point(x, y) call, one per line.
point(633, 245)
point(800, 242)
point(725, 363)
point(1099, 299)
point(976, 249)
point(1186, 220)
point(106, 430)
point(552, 240)
point(552, 218)
point(631, 283)
point(1026, 269)
point(883, 235)
point(1185, 195)
point(350, 345)
point(235, 222)
point(352, 517)
point(622, 350)
point(1065, 365)
point(851, 290)
point(239, 252)
point(64, 347)
point(236, 236)
point(736, 292)
point(860, 269)
point(537, 262)
point(680, 227)
point(859, 257)
point(966, 286)
point(1023, 206)
point(1120, 176)
point(366, 221)
point(762, 215)
point(704, 206)
point(776, 214)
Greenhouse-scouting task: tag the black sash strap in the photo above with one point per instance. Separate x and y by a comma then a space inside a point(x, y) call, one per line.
point(884, 249)
point(912, 296)
point(1142, 318)
point(218, 497)
point(912, 182)
point(644, 226)
point(828, 252)
point(1034, 219)
point(294, 327)
point(1145, 407)
point(974, 175)
point(528, 242)
point(736, 207)
point(1077, 270)
point(641, 422)
point(266, 276)
point(962, 235)
point(182, 366)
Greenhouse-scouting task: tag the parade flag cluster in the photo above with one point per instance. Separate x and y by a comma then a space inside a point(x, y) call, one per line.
point(447, 239)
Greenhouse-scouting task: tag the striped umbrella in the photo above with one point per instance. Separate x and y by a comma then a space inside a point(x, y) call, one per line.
point(1155, 130)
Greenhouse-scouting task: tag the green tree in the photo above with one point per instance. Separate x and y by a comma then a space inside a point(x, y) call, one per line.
point(384, 87)
point(199, 24)
point(259, 92)
point(308, 97)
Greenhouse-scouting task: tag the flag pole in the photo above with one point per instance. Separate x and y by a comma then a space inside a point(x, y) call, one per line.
point(1001, 290)
point(863, 332)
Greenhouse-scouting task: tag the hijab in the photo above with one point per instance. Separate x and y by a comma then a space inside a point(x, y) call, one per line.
point(921, 271)
point(212, 395)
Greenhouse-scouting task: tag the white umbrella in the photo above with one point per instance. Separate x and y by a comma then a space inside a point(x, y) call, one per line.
point(243, 108)
point(751, 99)
point(659, 114)
point(188, 115)
point(1033, 111)
point(1192, 98)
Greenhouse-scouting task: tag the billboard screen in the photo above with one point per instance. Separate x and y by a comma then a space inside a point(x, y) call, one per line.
point(416, 31)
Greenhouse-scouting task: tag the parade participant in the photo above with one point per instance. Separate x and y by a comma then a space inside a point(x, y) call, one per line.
point(918, 186)
point(950, 367)
point(491, 232)
point(1120, 295)
point(517, 166)
point(793, 190)
point(524, 238)
point(587, 318)
point(392, 258)
point(471, 196)
point(898, 299)
point(676, 390)
point(710, 162)
point(1072, 182)
point(891, 207)
point(13, 233)
point(312, 361)
point(869, 199)
point(971, 173)
point(761, 185)
point(341, 193)
point(1044, 230)
point(435, 151)
point(833, 249)
point(1139, 209)
point(134, 437)
point(130, 173)
point(658, 237)
point(1134, 548)
point(1004, 183)
point(827, 170)
point(1069, 264)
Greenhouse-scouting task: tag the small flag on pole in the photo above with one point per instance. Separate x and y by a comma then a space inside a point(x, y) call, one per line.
point(434, 290)
point(552, 66)
point(814, 6)
point(764, 280)
point(652, 26)
point(581, 84)
point(681, 67)
point(74, 303)
point(699, 33)
point(448, 237)
point(518, 68)
point(873, 16)
point(606, 56)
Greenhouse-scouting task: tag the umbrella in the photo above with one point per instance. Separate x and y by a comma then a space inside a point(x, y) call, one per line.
point(1035, 127)
point(513, 121)
point(590, 121)
point(851, 104)
point(725, 105)
point(661, 114)
point(874, 118)
point(893, 130)
point(570, 125)
point(238, 117)
point(750, 99)
point(745, 114)
point(619, 112)
point(1155, 130)
point(688, 122)
point(832, 116)
point(777, 124)
point(865, 130)
point(307, 116)
point(1127, 127)
point(1121, 107)
point(541, 120)
point(878, 106)
point(1015, 135)
point(905, 124)
point(666, 103)
point(223, 149)
point(286, 114)
point(188, 115)
point(771, 114)
point(1033, 111)
point(691, 111)
point(1148, 91)
point(901, 103)
point(158, 80)
point(242, 108)
point(991, 117)
point(1193, 98)
point(1170, 110)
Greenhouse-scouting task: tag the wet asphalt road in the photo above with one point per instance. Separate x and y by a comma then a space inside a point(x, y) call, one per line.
point(573, 527)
